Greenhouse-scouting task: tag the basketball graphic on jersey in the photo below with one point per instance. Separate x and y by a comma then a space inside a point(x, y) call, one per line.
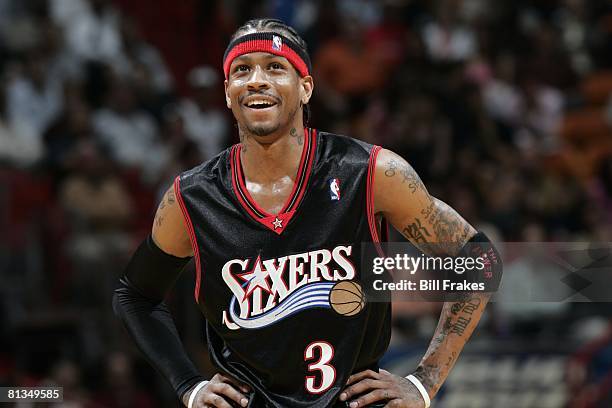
point(347, 298)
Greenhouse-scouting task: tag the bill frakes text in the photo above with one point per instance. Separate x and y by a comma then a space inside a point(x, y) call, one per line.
point(428, 285)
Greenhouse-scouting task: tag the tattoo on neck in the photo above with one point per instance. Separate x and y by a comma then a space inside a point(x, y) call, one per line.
point(294, 133)
point(242, 141)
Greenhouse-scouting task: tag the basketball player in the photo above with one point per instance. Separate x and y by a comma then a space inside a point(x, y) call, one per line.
point(273, 224)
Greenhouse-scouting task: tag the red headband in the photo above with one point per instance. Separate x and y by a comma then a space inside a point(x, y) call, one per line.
point(271, 43)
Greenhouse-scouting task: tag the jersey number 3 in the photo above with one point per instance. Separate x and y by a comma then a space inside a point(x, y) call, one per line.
point(322, 353)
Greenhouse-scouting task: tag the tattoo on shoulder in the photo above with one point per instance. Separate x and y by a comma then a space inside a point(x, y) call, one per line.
point(391, 168)
point(168, 200)
point(170, 197)
point(412, 179)
point(408, 174)
point(159, 219)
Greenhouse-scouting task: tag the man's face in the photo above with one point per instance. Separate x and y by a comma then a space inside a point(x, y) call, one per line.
point(264, 92)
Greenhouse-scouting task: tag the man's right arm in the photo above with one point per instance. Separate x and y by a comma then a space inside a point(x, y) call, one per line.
point(169, 231)
point(138, 302)
point(139, 299)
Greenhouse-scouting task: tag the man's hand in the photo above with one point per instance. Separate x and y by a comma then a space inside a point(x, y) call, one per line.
point(371, 387)
point(220, 392)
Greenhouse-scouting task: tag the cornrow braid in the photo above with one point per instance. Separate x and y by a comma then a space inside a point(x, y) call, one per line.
point(275, 26)
point(271, 25)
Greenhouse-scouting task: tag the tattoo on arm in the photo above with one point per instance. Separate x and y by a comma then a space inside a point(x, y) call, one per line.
point(417, 232)
point(408, 174)
point(391, 168)
point(457, 322)
point(438, 228)
point(447, 232)
point(168, 200)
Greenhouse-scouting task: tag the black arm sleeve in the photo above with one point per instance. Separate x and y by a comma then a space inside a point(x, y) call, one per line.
point(138, 302)
point(481, 247)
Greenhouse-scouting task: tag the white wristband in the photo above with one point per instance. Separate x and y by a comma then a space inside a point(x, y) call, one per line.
point(417, 383)
point(195, 392)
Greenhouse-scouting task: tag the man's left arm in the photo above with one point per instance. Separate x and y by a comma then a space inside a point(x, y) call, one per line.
point(436, 229)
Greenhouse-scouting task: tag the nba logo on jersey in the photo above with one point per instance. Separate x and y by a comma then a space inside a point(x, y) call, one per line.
point(277, 43)
point(334, 189)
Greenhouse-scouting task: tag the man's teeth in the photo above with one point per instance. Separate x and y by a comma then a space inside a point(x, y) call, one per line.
point(259, 102)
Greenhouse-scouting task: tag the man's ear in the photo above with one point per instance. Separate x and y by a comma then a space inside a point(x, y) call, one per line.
point(306, 89)
point(228, 101)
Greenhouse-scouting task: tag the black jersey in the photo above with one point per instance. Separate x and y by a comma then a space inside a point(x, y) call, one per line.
point(266, 283)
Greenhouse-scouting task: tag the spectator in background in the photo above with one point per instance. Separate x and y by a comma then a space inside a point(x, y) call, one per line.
point(18, 25)
point(205, 124)
point(91, 28)
point(422, 134)
point(572, 18)
point(34, 99)
point(184, 152)
point(366, 12)
point(92, 194)
point(63, 135)
point(121, 390)
point(99, 209)
point(543, 116)
point(67, 374)
point(139, 52)
point(145, 68)
point(533, 290)
point(17, 147)
point(446, 39)
point(547, 60)
point(502, 98)
point(390, 36)
point(503, 191)
point(129, 132)
point(61, 64)
point(347, 70)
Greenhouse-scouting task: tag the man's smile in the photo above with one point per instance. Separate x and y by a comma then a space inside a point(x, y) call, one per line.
point(260, 102)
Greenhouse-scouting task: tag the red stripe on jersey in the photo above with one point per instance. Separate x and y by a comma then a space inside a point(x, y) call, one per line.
point(293, 200)
point(192, 237)
point(370, 199)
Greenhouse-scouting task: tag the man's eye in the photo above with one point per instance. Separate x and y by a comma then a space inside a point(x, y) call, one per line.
point(242, 68)
point(276, 65)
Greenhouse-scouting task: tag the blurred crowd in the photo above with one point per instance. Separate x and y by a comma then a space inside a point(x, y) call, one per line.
point(504, 108)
